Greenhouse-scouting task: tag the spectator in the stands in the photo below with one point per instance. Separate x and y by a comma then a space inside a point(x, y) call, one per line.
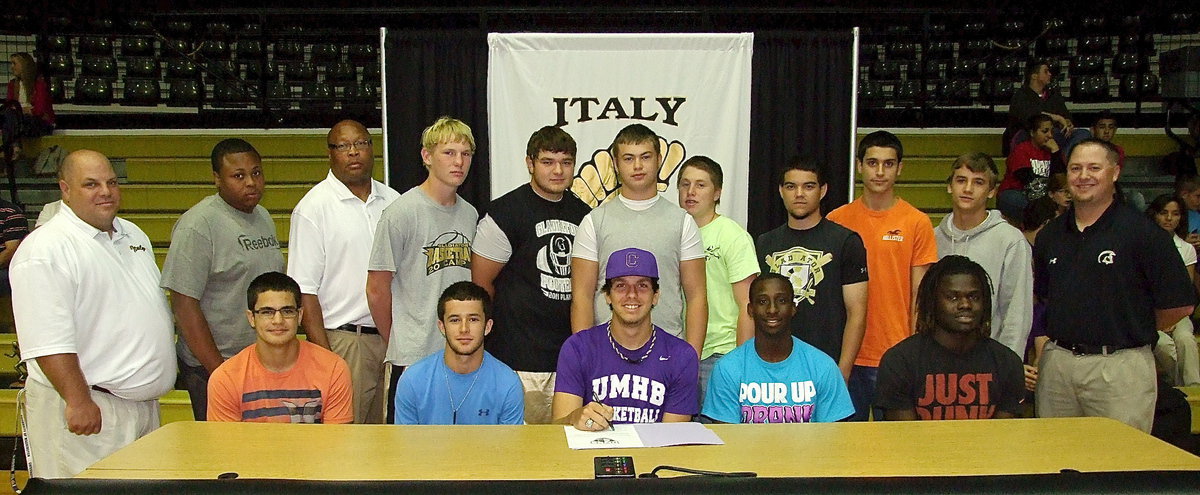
point(1176, 351)
point(1040, 96)
point(13, 228)
point(30, 90)
point(1028, 168)
point(1057, 191)
point(1187, 188)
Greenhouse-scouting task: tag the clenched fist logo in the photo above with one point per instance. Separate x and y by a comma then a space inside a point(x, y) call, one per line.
point(596, 181)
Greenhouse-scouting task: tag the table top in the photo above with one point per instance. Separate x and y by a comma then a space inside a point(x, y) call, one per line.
point(194, 450)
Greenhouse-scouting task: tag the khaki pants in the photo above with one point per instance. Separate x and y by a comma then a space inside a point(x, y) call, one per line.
point(364, 356)
point(1177, 355)
point(58, 453)
point(1121, 385)
point(539, 394)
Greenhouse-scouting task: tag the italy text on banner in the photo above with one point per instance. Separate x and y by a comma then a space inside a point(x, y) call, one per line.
point(693, 90)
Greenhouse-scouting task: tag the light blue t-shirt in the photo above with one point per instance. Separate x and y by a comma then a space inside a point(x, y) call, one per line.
point(807, 387)
point(490, 395)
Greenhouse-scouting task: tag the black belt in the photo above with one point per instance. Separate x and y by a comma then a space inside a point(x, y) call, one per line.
point(103, 390)
point(1088, 349)
point(358, 329)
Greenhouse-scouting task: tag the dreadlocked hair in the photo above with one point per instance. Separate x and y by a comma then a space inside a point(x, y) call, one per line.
point(927, 292)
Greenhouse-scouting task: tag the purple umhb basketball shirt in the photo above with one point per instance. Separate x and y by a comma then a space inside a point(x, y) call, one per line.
point(665, 381)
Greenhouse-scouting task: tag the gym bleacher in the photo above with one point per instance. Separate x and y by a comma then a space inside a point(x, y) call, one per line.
point(154, 92)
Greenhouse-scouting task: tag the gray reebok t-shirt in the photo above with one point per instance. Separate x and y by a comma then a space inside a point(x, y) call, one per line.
point(427, 247)
point(216, 250)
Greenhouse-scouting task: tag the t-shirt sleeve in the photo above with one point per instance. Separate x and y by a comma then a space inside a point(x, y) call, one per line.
point(389, 233)
point(1188, 253)
point(568, 378)
point(306, 253)
point(491, 242)
point(833, 398)
point(925, 244)
point(894, 382)
point(1017, 160)
point(1040, 276)
point(741, 261)
point(43, 298)
point(585, 246)
point(721, 398)
point(406, 401)
point(513, 411)
point(1013, 385)
point(854, 260)
point(339, 408)
point(189, 260)
point(1169, 283)
point(760, 253)
point(224, 396)
point(16, 226)
point(682, 394)
point(691, 246)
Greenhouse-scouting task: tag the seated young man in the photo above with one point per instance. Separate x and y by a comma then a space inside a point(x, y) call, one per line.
point(279, 379)
point(626, 370)
point(463, 384)
point(951, 368)
point(776, 377)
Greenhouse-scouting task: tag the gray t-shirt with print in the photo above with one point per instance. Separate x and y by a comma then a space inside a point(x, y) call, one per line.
point(216, 250)
point(427, 247)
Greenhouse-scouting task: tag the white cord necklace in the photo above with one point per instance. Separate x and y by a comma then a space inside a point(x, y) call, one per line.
point(454, 409)
point(611, 340)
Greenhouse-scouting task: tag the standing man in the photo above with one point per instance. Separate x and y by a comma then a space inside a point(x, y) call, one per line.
point(280, 378)
point(462, 384)
point(826, 264)
point(93, 326)
point(776, 377)
point(986, 238)
point(217, 248)
point(522, 257)
point(330, 241)
point(900, 248)
point(951, 369)
point(729, 265)
point(627, 370)
point(421, 246)
point(1110, 278)
point(640, 218)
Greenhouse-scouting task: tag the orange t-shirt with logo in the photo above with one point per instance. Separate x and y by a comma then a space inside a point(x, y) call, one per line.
point(315, 390)
point(897, 239)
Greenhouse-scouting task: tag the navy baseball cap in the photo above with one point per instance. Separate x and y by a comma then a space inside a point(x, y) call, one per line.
point(631, 262)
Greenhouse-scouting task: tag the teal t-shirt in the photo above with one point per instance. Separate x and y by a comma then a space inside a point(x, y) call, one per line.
point(728, 258)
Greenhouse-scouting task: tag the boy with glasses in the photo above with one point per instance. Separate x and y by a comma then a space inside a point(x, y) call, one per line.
point(279, 379)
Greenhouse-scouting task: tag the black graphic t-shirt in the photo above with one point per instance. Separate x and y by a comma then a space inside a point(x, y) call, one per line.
point(532, 309)
point(818, 261)
point(920, 374)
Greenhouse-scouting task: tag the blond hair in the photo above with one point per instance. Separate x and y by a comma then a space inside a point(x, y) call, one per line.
point(447, 130)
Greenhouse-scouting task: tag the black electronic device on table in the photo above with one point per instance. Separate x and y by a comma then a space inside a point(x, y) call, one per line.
point(616, 466)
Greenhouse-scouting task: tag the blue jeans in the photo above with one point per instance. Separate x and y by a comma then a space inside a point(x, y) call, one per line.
point(706, 368)
point(862, 392)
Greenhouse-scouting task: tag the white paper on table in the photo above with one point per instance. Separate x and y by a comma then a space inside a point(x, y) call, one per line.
point(629, 436)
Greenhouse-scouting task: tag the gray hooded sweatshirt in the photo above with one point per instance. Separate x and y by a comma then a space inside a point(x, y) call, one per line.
point(1008, 259)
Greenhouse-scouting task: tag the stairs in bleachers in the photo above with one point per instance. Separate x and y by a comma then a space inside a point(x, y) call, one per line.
point(167, 172)
point(928, 154)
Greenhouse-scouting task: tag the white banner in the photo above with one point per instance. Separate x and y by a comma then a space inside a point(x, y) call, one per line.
point(693, 90)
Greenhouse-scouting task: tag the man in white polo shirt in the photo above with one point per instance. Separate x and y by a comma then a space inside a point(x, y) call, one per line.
point(93, 325)
point(328, 247)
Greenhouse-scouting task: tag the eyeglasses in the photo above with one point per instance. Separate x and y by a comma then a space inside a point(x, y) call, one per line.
point(345, 147)
point(269, 313)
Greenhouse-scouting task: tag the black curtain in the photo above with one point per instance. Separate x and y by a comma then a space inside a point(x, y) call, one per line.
point(800, 105)
point(801, 90)
point(431, 74)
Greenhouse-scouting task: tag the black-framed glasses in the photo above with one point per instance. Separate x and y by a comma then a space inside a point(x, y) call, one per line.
point(361, 144)
point(288, 312)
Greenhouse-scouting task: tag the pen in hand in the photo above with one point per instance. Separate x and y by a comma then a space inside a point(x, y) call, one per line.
point(596, 399)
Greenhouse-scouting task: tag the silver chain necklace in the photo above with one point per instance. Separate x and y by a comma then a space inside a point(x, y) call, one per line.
point(611, 340)
point(454, 409)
